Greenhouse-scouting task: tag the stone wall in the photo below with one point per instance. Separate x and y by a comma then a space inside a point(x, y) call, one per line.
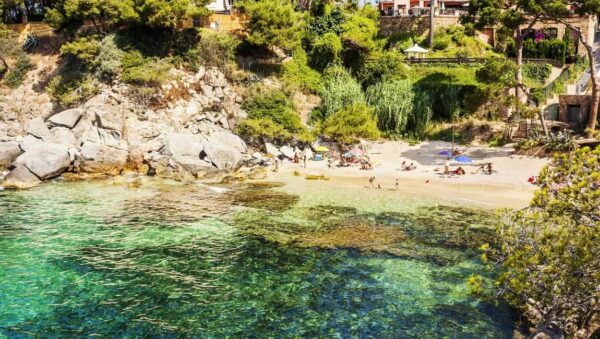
point(564, 101)
point(390, 25)
point(586, 24)
point(417, 24)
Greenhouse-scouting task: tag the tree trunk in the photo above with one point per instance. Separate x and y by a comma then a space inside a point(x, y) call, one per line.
point(5, 67)
point(431, 19)
point(543, 122)
point(519, 72)
point(593, 116)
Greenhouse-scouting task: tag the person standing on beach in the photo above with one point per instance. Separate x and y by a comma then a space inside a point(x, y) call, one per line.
point(447, 167)
point(397, 184)
point(304, 161)
point(371, 181)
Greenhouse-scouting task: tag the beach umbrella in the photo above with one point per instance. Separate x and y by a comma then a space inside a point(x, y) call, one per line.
point(463, 159)
point(445, 153)
point(322, 149)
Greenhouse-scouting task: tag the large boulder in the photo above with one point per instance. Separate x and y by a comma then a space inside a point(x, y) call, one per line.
point(46, 160)
point(37, 127)
point(287, 151)
point(68, 118)
point(272, 149)
point(187, 151)
point(19, 178)
point(99, 158)
point(9, 151)
point(29, 141)
point(63, 136)
point(224, 150)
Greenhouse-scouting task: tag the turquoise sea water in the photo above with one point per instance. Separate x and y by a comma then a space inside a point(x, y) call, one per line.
point(173, 260)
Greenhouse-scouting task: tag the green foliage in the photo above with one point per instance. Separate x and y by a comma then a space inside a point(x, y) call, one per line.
point(327, 23)
point(17, 73)
point(393, 103)
point(272, 115)
point(215, 49)
point(547, 49)
point(148, 72)
point(70, 88)
point(382, 66)
point(453, 41)
point(296, 74)
point(359, 39)
point(108, 61)
point(453, 92)
point(549, 251)
point(326, 51)
point(497, 71)
point(84, 49)
point(340, 90)
point(536, 75)
point(258, 128)
point(69, 14)
point(274, 23)
point(350, 124)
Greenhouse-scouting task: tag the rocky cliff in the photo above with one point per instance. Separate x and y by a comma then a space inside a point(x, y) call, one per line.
point(182, 130)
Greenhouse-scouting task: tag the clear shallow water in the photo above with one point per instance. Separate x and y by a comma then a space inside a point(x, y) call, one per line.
point(169, 260)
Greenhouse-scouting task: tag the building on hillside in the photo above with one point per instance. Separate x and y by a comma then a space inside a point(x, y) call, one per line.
point(421, 7)
point(220, 6)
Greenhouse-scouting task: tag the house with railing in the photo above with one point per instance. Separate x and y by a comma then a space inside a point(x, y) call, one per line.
point(421, 7)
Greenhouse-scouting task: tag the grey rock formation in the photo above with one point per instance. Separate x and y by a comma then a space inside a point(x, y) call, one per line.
point(68, 118)
point(272, 149)
point(63, 136)
point(46, 160)
point(99, 158)
point(20, 178)
point(224, 150)
point(29, 141)
point(287, 151)
point(9, 151)
point(37, 127)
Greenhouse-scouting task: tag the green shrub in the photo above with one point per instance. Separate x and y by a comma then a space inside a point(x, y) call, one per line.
point(215, 48)
point(71, 88)
point(271, 115)
point(441, 43)
point(257, 129)
point(17, 73)
point(383, 66)
point(393, 103)
point(350, 124)
point(84, 49)
point(536, 75)
point(148, 72)
point(296, 74)
point(326, 51)
point(108, 62)
point(340, 89)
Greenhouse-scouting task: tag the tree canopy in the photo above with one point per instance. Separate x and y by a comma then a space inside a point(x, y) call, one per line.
point(549, 251)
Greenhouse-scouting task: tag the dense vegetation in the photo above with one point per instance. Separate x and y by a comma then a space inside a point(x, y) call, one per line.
point(549, 251)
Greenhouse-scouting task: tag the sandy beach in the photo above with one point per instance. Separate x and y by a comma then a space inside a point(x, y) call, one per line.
point(507, 187)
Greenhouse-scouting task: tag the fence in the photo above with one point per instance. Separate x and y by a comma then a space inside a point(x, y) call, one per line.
point(459, 60)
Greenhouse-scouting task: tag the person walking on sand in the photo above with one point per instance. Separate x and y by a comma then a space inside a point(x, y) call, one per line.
point(397, 184)
point(276, 169)
point(305, 161)
point(371, 181)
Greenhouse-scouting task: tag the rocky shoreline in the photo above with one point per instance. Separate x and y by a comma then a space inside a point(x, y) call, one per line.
point(185, 130)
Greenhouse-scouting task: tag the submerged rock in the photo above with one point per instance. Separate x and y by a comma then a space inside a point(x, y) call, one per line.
point(20, 178)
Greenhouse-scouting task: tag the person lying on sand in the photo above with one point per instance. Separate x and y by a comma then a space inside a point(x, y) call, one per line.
point(410, 167)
